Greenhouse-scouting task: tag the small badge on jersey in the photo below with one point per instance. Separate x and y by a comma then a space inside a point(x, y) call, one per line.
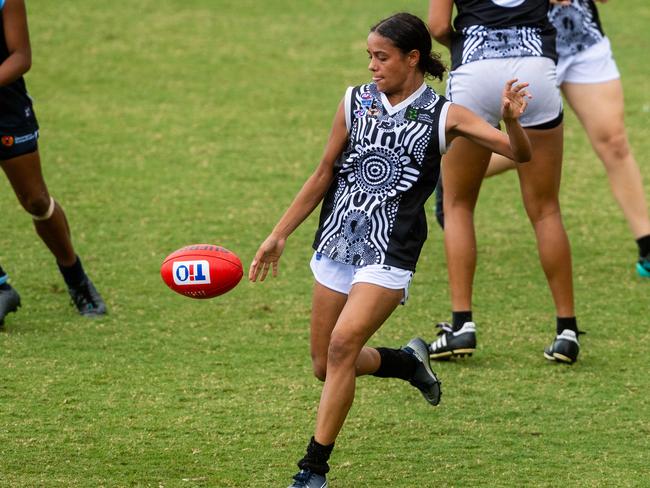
point(366, 99)
point(359, 113)
point(411, 114)
point(7, 141)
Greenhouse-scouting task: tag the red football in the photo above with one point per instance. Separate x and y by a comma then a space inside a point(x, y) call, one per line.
point(201, 271)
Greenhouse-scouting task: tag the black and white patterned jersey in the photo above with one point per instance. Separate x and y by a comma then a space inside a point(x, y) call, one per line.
point(16, 110)
point(374, 211)
point(578, 26)
point(489, 29)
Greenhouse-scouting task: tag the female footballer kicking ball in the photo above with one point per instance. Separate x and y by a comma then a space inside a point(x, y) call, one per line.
point(379, 166)
point(19, 158)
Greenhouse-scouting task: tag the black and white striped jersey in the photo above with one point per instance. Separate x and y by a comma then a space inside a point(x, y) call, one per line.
point(374, 211)
point(489, 29)
point(578, 26)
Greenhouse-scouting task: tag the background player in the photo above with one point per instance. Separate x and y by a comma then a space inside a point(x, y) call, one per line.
point(590, 81)
point(490, 42)
point(19, 158)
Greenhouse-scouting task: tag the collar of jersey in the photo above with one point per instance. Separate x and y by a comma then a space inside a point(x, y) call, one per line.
point(404, 103)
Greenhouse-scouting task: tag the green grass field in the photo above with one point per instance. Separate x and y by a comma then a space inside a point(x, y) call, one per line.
point(165, 123)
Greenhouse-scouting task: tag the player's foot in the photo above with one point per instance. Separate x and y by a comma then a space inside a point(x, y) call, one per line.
point(308, 479)
point(565, 348)
point(643, 267)
point(87, 299)
point(9, 302)
point(452, 343)
point(424, 379)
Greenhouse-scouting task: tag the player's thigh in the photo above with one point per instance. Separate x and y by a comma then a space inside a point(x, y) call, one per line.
point(599, 106)
point(540, 177)
point(366, 309)
point(463, 169)
point(26, 178)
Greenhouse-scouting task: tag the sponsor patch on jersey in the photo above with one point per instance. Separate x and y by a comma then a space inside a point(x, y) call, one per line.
point(191, 272)
point(359, 113)
point(425, 118)
point(7, 141)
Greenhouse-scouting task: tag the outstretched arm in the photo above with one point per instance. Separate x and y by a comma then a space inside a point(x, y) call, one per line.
point(308, 198)
point(14, 24)
point(440, 20)
point(515, 145)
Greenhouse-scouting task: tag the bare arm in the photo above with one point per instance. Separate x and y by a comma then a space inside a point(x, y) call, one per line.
point(440, 20)
point(14, 23)
point(515, 145)
point(307, 199)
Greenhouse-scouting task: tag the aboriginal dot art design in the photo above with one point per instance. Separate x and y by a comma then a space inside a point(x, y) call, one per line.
point(382, 164)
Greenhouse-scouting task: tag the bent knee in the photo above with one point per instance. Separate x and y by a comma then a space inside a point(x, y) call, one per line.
point(341, 351)
point(37, 205)
point(612, 148)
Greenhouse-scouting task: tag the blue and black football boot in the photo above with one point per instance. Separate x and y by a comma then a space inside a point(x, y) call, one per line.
point(9, 301)
point(643, 267)
point(87, 299)
point(308, 479)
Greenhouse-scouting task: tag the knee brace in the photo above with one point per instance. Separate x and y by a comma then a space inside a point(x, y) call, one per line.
point(46, 215)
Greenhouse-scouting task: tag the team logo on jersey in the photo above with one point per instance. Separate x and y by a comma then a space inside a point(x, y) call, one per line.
point(366, 99)
point(7, 141)
point(191, 272)
point(411, 113)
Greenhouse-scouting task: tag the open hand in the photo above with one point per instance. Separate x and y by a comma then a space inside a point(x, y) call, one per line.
point(515, 99)
point(267, 256)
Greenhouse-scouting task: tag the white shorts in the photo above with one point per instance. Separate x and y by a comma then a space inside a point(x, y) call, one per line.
point(594, 65)
point(340, 277)
point(479, 85)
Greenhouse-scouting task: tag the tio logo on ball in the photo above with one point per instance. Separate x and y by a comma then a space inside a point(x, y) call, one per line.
point(191, 272)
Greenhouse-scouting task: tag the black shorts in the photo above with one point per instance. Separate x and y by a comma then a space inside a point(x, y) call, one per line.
point(17, 142)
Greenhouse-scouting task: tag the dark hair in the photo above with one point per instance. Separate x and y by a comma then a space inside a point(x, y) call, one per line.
point(408, 32)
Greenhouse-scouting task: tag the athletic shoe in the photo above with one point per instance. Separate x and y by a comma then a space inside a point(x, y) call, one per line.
point(424, 379)
point(307, 479)
point(9, 302)
point(565, 348)
point(643, 267)
point(87, 299)
point(451, 343)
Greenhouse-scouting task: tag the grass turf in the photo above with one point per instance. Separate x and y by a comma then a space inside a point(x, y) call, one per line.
point(167, 123)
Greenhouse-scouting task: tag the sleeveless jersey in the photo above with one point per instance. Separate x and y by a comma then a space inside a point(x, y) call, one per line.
point(16, 112)
point(374, 210)
point(489, 29)
point(578, 26)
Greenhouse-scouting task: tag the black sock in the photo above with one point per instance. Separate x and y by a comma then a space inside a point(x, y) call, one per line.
point(566, 323)
point(73, 275)
point(316, 458)
point(395, 363)
point(458, 319)
point(644, 246)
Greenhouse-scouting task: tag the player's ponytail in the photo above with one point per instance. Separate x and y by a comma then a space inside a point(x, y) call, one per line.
point(408, 32)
